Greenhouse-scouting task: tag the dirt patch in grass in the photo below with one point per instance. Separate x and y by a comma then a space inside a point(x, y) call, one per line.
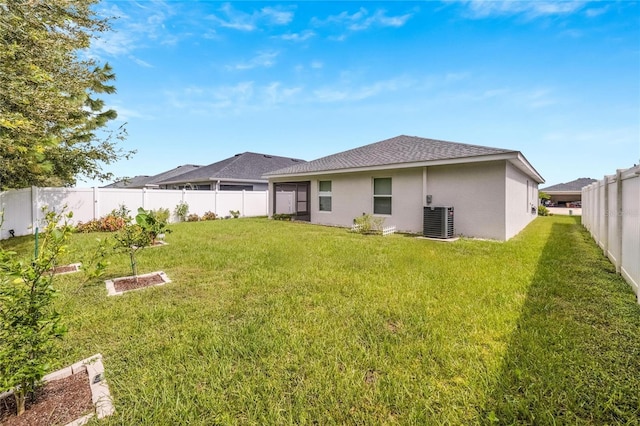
point(57, 403)
point(131, 283)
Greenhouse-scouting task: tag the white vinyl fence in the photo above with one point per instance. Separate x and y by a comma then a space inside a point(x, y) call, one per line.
point(611, 212)
point(23, 207)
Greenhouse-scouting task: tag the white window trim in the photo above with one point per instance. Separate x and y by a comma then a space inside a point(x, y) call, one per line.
point(325, 194)
point(390, 196)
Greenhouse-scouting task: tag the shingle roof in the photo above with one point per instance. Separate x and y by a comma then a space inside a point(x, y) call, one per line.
point(142, 181)
point(245, 166)
point(397, 150)
point(573, 186)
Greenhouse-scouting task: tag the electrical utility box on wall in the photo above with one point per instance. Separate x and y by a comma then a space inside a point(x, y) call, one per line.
point(438, 222)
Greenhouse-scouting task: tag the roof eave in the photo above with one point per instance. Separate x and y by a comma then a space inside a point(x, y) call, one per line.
point(513, 156)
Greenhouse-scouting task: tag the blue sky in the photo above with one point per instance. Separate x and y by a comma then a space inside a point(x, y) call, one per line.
point(201, 81)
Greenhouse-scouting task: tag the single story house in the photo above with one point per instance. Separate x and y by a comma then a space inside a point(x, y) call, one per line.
point(493, 191)
point(241, 172)
point(151, 182)
point(567, 194)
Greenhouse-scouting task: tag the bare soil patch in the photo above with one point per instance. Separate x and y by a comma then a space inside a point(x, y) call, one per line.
point(131, 283)
point(57, 403)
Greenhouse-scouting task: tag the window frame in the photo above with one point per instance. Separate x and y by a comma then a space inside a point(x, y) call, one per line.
point(325, 194)
point(388, 196)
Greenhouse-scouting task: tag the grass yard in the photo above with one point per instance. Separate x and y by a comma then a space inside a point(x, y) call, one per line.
point(271, 322)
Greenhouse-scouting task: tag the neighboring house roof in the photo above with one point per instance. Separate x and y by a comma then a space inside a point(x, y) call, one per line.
point(406, 151)
point(244, 167)
point(573, 186)
point(152, 181)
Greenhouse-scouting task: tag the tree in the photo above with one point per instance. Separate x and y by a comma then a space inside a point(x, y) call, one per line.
point(28, 322)
point(53, 126)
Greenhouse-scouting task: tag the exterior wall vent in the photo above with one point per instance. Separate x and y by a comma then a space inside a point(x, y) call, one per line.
point(438, 222)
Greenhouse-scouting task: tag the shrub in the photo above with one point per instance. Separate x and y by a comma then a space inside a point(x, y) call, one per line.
point(235, 213)
point(193, 218)
point(112, 222)
point(152, 222)
point(181, 211)
point(282, 216)
point(368, 224)
point(161, 215)
point(209, 216)
point(543, 211)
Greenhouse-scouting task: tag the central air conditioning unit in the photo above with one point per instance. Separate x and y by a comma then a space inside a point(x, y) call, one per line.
point(438, 222)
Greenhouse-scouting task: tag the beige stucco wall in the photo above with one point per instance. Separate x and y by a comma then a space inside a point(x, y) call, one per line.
point(521, 195)
point(476, 191)
point(352, 195)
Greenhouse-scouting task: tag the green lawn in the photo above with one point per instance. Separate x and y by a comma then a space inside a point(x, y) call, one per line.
point(271, 322)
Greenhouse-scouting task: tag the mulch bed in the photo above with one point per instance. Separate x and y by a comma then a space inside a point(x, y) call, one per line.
point(57, 403)
point(65, 269)
point(130, 283)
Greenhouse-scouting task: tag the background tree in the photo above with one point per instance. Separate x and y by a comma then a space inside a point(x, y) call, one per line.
point(53, 126)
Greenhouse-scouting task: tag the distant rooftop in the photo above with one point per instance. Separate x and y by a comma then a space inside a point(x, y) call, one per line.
point(243, 166)
point(573, 186)
point(152, 181)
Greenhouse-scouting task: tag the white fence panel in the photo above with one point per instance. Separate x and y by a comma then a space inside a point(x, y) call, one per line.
point(255, 204)
point(611, 212)
point(231, 201)
point(23, 207)
point(17, 207)
point(165, 199)
point(630, 264)
point(110, 199)
point(201, 202)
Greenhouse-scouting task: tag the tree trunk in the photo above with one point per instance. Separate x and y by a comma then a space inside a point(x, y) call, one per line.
point(20, 397)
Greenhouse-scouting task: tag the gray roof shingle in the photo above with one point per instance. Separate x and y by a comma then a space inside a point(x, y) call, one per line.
point(397, 150)
point(573, 186)
point(245, 166)
point(142, 181)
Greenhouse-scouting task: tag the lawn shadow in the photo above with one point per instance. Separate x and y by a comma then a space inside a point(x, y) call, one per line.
point(574, 357)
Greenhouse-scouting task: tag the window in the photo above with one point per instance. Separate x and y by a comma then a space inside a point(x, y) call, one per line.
point(382, 196)
point(324, 195)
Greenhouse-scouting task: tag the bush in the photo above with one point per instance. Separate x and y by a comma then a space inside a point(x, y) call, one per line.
point(110, 223)
point(209, 216)
point(154, 222)
point(282, 216)
point(368, 224)
point(193, 218)
point(181, 211)
point(235, 213)
point(543, 211)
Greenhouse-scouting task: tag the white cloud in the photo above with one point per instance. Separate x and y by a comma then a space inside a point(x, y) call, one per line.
point(479, 9)
point(362, 19)
point(264, 59)
point(132, 31)
point(242, 21)
point(235, 98)
point(348, 93)
point(297, 37)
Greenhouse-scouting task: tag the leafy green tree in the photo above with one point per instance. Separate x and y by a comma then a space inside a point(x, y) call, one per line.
point(53, 125)
point(29, 324)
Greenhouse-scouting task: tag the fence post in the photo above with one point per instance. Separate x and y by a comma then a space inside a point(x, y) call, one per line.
point(96, 207)
point(34, 208)
point(606, 219)
point(619, 219)
point(242, 212)
point(144, 198)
